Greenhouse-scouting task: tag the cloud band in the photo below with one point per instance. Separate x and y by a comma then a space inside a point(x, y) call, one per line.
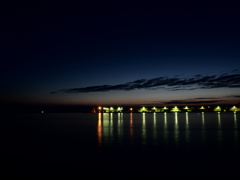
point(221, 80)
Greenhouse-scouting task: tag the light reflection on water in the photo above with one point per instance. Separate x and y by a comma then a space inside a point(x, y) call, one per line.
point(154, 128)
point(167, 128)
point(219, 128)
point(120, 127)
point(144, 127)
point(99, 130)
point(187, 128)
point(117, 142)
point(131, 128)
point(203, 128)
point(176, 131)
point(235, 128)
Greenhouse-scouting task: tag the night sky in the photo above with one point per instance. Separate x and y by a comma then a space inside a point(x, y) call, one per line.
point(119, 53)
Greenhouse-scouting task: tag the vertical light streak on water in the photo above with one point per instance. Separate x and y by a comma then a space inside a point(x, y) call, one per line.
point(176, 132)
point(203, 128)
point(154, 128)
point(105, 127)
point(187, 128)
point(111, 126)
point(235, 128)
point(165, 128)
point(219, 128)
point(120, 125)
point(144, 128)
point(131, 128)
point(99, 130)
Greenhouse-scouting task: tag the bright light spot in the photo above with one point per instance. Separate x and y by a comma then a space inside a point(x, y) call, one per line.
point(218, 108)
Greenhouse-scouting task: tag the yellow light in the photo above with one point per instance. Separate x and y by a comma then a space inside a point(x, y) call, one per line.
point(99, 107)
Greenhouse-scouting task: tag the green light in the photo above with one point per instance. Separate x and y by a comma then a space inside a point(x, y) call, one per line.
point(143, 109)
point(175, 109)
point(234, 108)
point(218, 108)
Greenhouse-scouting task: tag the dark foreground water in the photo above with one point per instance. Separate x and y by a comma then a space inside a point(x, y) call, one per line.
point(120, 145)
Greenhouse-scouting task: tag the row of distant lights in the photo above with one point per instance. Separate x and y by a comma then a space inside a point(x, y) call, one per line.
point(175, 107)
point(111, 108)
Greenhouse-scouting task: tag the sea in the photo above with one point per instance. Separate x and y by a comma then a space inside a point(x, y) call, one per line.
point(183, 145)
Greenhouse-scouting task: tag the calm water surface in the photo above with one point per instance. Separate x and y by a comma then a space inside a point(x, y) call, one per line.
point(120, 145)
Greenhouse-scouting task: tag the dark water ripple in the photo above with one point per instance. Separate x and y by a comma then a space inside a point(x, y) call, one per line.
point(120, 145)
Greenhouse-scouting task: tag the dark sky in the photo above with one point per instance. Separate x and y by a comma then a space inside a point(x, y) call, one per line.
point(120, 53)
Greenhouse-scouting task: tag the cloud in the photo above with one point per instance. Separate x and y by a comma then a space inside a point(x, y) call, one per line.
point(234, 96)
point(206, 98)
point(175, 83)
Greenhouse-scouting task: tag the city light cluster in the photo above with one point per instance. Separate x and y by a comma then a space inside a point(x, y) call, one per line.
point(145, 109)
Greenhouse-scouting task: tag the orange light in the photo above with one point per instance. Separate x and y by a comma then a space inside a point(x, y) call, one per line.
point(99, 107)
